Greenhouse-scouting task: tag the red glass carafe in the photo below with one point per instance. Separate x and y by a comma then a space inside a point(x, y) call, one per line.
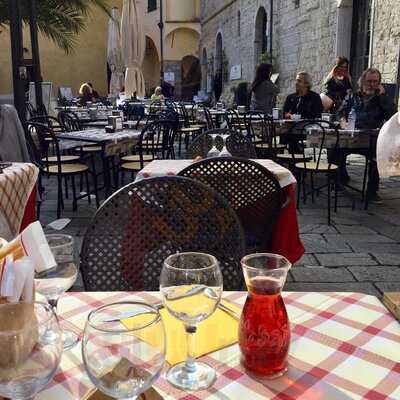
point(264, 330)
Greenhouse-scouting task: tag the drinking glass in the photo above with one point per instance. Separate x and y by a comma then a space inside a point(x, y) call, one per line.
point(53, 282)
point(31, 348)
point(214, 152)
point(191, 287)
point(224, 152)
point(124, 359)
point(264, 331)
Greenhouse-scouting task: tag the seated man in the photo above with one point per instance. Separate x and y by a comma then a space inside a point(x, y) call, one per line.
point(304, 102)
point(372, 108)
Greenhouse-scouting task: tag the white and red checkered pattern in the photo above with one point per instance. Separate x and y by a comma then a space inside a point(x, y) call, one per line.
point(158, 168)
point(344, 346)
point(16, 185)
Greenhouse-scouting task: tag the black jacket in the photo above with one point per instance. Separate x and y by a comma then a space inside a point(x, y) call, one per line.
point(309, 105)
point(371, 113)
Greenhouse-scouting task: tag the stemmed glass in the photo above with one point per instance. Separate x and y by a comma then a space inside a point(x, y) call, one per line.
point(214, 152)
point(123, 348)
point(224, 152)
point(31, 348)
point(191, 287)
point(54, 282)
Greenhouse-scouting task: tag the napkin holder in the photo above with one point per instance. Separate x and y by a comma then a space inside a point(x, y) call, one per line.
point(116, 122)
point(277, 113)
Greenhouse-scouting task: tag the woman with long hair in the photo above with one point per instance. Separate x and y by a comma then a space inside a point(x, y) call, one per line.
point(263, 90)
point(337, 85)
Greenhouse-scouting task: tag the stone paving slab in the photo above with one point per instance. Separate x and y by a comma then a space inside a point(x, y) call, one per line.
point(376, 274)
point(316, 243)
point(387, 259)
point(377, 247)
point(345, 260)
point(388, 286)
point(315, 274)
point(360, 287)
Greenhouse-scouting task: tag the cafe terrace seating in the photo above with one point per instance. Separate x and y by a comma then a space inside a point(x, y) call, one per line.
point(144, 222)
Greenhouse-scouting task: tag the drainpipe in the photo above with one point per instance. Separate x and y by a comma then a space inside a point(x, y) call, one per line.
point(398, 80)
point(372, 30)
point(271, 29)
point(161, 26)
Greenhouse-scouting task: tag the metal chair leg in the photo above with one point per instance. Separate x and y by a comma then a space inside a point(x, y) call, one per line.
point(59, 195)
point(74, 200)
point(329, 199)
point(88, 187)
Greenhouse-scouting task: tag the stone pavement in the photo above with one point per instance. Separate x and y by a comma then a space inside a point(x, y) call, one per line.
point(360, 251)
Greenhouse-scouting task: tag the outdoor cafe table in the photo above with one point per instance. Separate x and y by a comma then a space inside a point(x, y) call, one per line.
point(17, 198)
point(343, 346)
point(285, 237)
point(111, 144)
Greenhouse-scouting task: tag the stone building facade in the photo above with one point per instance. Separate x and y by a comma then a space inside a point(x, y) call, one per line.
point(302, 34)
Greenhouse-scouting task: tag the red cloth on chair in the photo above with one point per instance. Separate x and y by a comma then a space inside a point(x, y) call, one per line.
point(286, 238)
point(30, 210)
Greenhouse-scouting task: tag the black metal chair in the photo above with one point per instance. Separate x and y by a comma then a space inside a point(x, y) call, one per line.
point(139, 226)
point(237, 144)
point(69, 121)
point(37, 137)
point(156, 141)
point(208, 117)
point(252, 191)
point(326, 136)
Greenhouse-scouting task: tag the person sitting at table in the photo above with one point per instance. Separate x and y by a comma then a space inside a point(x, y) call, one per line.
point(337, 85)
point(372, 108)
point(95, 94)
point(85, 94)
point(263, 90)
point(157, 95)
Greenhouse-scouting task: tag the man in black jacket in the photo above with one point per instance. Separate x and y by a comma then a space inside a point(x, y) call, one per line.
point(304, 102)
point(372, 108)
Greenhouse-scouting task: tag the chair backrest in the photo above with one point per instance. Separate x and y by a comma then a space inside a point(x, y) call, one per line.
point(232, 118)
point(208, 116)
point(49, 121)
point(69, 121)
point(321, 135)
point(237, 144)
point(251, 190)
point(139, 226)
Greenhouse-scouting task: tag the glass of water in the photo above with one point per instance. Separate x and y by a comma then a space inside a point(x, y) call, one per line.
point(191, 287)
point(53, 282)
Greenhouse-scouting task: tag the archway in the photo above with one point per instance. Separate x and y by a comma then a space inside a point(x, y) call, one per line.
point(261, 35)
point(151, 66)
point(191, 77)
point(218, 81)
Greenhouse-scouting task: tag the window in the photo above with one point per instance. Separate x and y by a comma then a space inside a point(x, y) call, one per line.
point(296, 3)
point(151, 5)
point(238, 23)
point(361, 37)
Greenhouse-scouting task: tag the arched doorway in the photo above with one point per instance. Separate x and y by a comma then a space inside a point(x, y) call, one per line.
point(191, 77)
point(218, 81)
point(151, 66)
point(204, 72)
point(261, 35)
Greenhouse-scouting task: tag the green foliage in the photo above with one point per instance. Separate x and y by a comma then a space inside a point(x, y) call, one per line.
point(266, 58)
point(59, 20)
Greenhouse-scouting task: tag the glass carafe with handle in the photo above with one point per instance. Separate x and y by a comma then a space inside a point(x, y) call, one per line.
point(264, 330)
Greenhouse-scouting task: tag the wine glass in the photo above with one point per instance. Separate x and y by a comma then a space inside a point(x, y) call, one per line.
point(225, 152)
point(53, 282)
point(191, 287)
point(31, 348)
point(214, 152)
point(123, 348)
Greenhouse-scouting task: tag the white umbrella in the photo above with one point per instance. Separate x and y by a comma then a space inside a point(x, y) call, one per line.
point(114, 55)
point(133, 46)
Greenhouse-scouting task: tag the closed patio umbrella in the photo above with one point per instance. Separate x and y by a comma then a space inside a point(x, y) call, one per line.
point(114, 55)
point(133, 44)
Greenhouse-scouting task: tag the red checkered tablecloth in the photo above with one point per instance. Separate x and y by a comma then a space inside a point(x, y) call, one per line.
point(344, 346)
point(16, 185)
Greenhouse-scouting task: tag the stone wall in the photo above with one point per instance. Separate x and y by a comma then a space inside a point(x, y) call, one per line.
point(386, 43)
point(304, 37)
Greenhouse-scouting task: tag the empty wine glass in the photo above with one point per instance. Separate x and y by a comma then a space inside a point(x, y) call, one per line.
point(214, 152)
point(224, 152)
point(31, 348)
point(191, 286)
point(53, 282)
point(123, 348)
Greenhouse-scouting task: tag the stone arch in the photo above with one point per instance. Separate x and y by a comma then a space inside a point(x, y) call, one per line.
point(181, 41)
point(151, 66)
point(260, 35)
point(191, 77)
point(218, 79)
